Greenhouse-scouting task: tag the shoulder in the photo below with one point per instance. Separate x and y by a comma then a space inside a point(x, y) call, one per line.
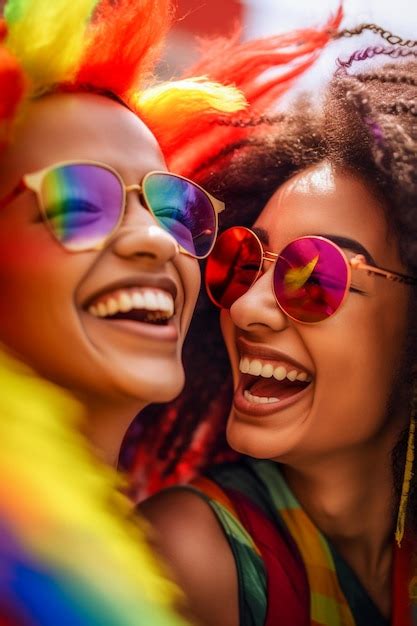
point(184, 523)
point(188, 535)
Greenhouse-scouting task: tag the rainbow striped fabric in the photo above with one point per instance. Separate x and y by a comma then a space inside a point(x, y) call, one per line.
point(337, 598)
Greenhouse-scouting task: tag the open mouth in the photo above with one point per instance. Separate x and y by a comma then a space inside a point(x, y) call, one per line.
point(138, 304)
point(265, 382)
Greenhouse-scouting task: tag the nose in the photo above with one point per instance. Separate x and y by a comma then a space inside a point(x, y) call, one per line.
point(140, 236)
point(257, 308)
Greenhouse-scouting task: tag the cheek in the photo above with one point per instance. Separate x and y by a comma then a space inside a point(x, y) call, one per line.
point(190, 275)
point(36, 281)
point(228, 332)
point(357, 354)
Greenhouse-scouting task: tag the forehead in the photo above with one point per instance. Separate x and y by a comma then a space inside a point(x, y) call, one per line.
point(321, 200)
point(63, 127)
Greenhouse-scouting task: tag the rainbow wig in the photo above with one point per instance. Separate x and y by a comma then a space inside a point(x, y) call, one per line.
point(101, 46)
point(68, 552)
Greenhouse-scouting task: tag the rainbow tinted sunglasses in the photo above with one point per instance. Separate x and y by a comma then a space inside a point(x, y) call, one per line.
point(311, 278)
point(83, 204)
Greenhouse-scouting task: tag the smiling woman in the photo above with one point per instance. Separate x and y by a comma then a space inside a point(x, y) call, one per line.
point(316, 280)
point(99, 277)
point(98, 241)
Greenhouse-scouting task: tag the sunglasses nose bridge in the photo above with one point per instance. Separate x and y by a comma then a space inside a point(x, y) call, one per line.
point(270, 256)
point(135, 187)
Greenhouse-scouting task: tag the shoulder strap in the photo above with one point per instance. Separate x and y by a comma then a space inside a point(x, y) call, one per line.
point(287, 585)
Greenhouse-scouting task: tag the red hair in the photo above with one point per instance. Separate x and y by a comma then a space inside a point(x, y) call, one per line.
point(101, 46)
point(244, 65)
point(12, 85)
point(123, 44)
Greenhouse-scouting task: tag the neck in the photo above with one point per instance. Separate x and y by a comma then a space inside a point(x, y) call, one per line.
point(106, 424)
point(350, 497)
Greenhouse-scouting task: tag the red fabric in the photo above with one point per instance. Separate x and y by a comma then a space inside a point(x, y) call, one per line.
point(401, 603)
point(287, 585)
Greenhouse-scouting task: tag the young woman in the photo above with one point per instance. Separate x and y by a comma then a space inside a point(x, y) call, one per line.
point(99, 276)
point(318, 300)
point(98, 241)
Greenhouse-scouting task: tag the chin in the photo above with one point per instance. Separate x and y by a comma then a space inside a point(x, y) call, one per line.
point(252, 441)
point(153, 389)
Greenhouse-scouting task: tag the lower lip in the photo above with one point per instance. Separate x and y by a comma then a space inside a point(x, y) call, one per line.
point(243, 405)
point(168, 332)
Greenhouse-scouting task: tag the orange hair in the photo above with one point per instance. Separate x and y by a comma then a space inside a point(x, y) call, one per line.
point(102, 46)
point(245, 65)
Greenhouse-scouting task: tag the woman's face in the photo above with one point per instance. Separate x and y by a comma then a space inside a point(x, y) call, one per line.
point(352, 359)
point(45, 315)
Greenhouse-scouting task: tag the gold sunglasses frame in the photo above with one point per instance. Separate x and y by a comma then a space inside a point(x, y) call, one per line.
point(356, 262)
point(33, 182)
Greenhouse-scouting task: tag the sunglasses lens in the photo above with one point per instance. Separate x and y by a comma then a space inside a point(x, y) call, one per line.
point(233, 266)
point(182, 209)
point(82, 204)
point(310, 279)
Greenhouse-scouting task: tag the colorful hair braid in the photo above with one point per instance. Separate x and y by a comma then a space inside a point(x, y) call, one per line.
point(68, 553)
point(102, 46)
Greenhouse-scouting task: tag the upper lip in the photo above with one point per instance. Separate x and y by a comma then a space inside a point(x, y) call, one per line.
point(146, 280)
point(265, 352)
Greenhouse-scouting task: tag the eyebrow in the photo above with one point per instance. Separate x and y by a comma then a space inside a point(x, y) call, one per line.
point(342, 242)
point(262, 234)
point(350, 244)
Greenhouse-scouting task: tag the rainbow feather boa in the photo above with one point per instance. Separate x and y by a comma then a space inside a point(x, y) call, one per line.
point(68, 554)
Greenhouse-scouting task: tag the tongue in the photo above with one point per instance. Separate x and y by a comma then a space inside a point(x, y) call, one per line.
point(272, 388)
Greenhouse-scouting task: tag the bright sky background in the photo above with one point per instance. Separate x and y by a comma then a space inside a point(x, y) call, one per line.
point(265, 17)
point(269, 16)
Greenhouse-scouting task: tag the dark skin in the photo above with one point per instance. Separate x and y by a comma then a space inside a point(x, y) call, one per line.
point(330, 441)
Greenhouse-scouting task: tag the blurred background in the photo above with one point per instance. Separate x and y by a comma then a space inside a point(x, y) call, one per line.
point(207, 18)
point(210, 18)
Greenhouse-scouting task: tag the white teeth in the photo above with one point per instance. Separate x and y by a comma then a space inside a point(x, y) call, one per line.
point(151, 301)
point(112, 306)
point(258, 399)
point(267, 370)
point(125, 302)
point(144, 299)
point(292, 375)
point(255, 367)
point(280, 372)
point(163, 302)
point(101, 309)
point(138, 300)
point(244, 365)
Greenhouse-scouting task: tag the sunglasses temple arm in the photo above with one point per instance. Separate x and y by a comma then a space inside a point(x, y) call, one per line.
point(394, 276)
point(20, 188)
